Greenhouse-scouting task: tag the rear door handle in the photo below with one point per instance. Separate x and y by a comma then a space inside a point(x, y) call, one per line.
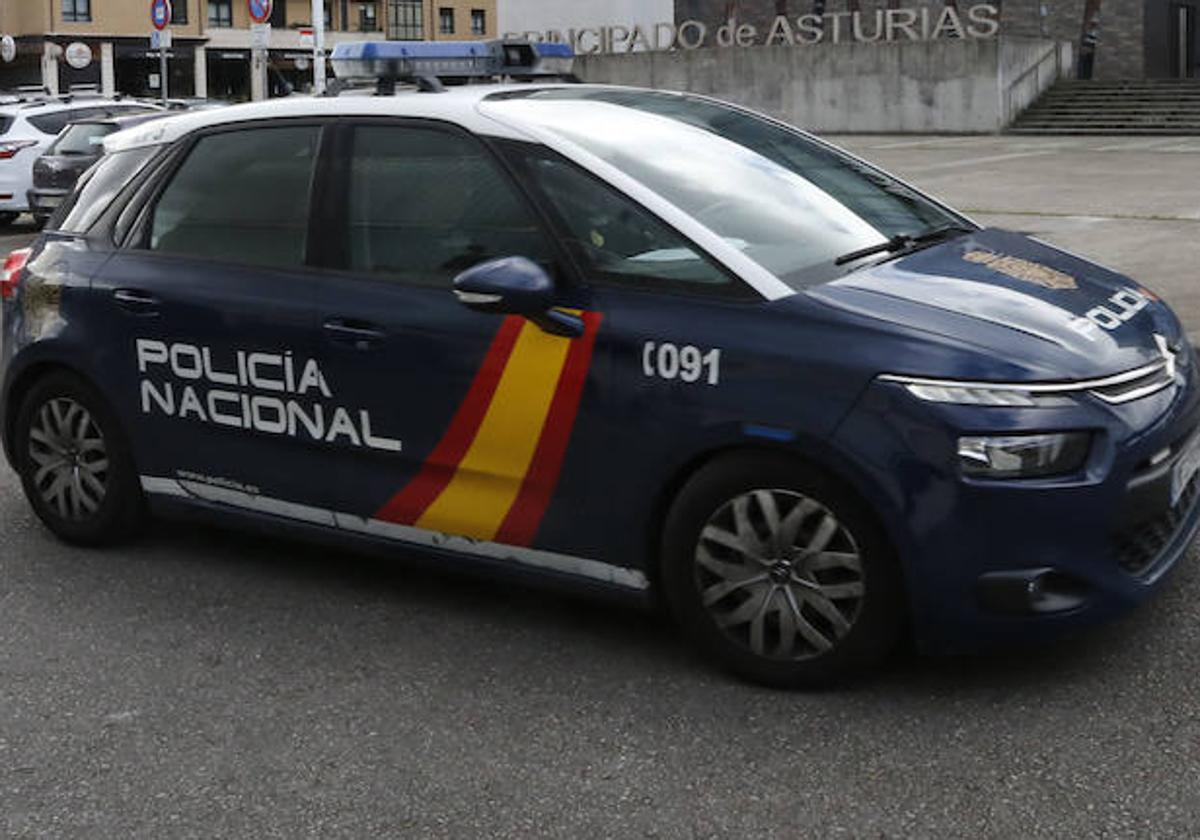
point(359, 334)
point(136, 301)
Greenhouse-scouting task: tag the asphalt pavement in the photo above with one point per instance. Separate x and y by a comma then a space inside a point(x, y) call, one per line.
point(210, 683)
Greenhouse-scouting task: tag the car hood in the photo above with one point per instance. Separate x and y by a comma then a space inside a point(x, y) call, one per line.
point(1037, 311)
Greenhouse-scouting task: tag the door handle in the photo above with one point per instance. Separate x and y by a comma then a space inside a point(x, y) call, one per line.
point(136, 301)
point(360, 334)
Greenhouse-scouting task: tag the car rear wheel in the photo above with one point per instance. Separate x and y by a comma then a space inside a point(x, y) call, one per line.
point(779, 573)
point(8, 218)
point(74, 464)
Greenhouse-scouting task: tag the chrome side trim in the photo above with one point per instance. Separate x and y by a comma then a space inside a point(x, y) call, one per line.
point(568, 564)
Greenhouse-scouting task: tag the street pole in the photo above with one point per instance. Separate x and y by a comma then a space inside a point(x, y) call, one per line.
point(162, 68)
point(318, 16)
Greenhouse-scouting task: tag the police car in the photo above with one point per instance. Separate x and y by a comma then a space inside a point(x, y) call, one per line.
point(635, 342)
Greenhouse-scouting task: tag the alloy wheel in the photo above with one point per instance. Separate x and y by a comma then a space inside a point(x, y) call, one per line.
point(69, 459)
point(779, 574)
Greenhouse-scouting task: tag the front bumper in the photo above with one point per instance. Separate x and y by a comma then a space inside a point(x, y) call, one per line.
point(999, 562)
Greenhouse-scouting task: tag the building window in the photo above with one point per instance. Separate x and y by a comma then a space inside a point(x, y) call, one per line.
point(446, 21)
point(368, 19)
point(220, 13)
point(479, 21)
point(76, 11)
point(178, 12)
point(404, 20)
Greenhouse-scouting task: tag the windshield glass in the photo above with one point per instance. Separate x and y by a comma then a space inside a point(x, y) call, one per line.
point(790, 203)
point(82, 139)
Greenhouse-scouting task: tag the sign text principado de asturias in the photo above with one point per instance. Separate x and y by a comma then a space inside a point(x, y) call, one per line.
point(923, 24)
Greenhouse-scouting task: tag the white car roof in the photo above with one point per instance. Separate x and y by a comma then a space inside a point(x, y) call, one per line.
point(34, 107)
point(455, 105)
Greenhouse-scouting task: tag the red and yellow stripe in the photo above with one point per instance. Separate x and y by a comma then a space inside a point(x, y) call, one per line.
point(493, 473)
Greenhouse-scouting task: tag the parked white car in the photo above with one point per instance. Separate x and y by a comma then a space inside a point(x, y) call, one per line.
point(28, 127)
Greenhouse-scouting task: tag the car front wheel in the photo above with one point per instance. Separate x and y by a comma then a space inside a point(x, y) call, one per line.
point(779, 572)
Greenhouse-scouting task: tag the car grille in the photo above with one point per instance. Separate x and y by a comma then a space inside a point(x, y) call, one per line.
point(1139, 547)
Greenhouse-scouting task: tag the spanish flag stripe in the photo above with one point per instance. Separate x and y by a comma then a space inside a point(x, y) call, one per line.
point(490, 474)
point(521, 524)
point(407, 506)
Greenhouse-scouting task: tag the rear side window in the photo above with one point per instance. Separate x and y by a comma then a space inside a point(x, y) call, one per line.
point(81, 139)
point(240, 196)
point(5, 124)
point(425, 205)
point(50, 123)
point(98, 187)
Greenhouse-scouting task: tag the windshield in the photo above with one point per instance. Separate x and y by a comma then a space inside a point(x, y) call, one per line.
point(788, 202)
point(81, 139)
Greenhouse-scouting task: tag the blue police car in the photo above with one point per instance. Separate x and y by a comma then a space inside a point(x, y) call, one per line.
point(635, 342)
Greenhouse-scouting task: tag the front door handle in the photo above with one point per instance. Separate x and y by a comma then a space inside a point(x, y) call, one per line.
point(359, 334)
point(136, 301)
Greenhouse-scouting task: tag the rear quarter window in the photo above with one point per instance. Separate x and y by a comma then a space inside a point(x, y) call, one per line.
point(5, 124)
point(98, 187)
point(50, 123)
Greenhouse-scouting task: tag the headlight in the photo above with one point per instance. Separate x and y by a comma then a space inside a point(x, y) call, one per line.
point(1023, 456)
point(982, 395)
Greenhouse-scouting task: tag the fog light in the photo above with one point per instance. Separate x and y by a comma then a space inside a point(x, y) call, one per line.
point(1023, 456)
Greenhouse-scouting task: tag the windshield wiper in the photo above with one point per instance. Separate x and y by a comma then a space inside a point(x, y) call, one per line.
point(904, 242)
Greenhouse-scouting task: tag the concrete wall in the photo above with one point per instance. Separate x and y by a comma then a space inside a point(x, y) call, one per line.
point(934, 86)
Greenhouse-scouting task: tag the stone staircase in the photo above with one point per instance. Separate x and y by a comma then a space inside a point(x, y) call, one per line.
point(1128, 107)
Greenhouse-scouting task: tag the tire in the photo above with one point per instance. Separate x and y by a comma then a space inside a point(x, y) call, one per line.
point(75, 463)
point(813, 601)
point(7, 218)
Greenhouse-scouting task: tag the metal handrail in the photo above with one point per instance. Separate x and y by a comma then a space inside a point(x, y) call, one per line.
point(1035, 69)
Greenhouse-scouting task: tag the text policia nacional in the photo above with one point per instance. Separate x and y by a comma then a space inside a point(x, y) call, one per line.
point(922, 24)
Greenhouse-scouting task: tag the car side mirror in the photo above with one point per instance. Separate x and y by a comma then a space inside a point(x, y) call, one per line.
point(515, 286)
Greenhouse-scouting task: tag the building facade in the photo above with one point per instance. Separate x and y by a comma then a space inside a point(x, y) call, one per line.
point(1129, 39)
point(210, 55)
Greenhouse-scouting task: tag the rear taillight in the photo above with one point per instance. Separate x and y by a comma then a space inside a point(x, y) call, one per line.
point(10, 149)
point(10, 275)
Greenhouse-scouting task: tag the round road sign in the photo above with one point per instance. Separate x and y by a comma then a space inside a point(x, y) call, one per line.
point(160, 14)
point(78, 54)
point(260, 10)
point(8, 48)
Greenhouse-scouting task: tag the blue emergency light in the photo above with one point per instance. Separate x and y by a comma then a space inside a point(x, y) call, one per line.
point(399, 61)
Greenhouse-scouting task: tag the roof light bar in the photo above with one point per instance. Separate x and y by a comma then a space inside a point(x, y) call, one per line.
point(408, 60)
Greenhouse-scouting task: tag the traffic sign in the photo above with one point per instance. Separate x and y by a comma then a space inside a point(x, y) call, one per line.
point(160, 14)
point(160, 40)
point(78, 55)
point(8, 48)
point(260, 10)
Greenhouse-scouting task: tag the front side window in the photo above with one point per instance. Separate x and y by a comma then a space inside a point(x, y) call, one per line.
point(76, 11)
point(240, 196)
point(220, 13)
point(785, 200)
point(446, 21)
point(404, 20)
point(425, 205)
point(615, 238)
point(479, 21)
